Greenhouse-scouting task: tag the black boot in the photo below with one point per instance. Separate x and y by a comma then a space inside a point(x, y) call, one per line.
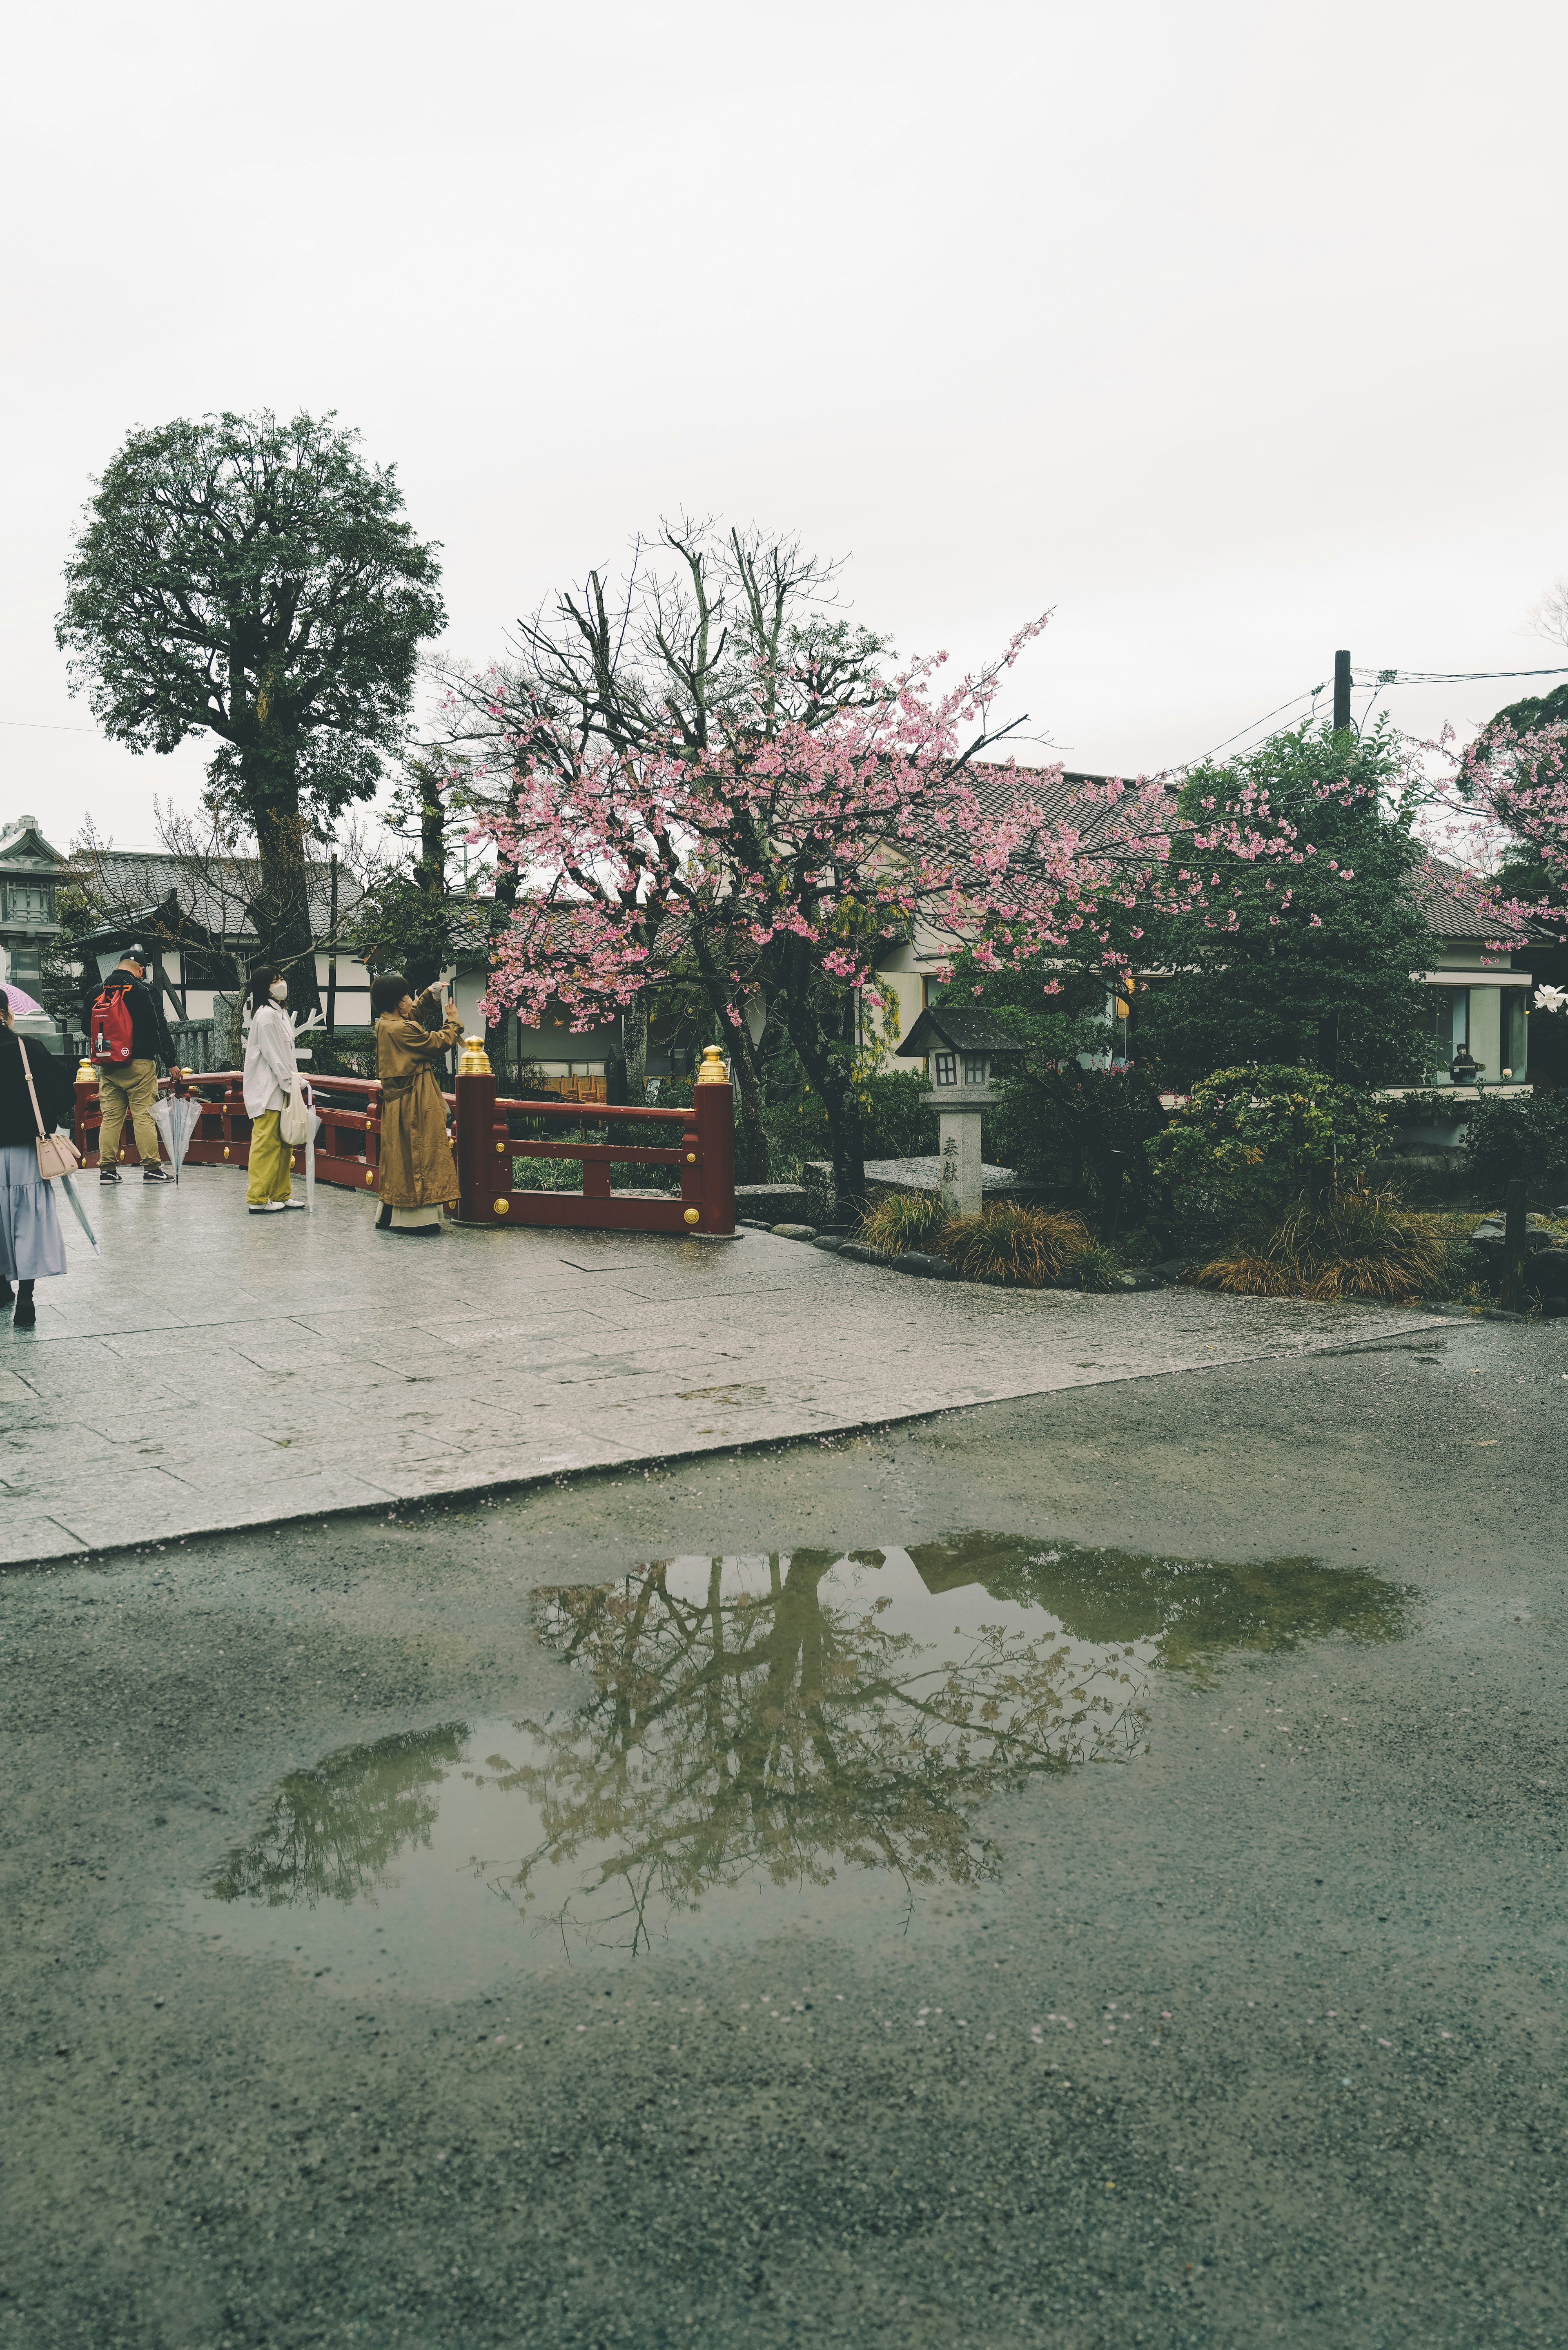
point(6, 1292)
point(384, 1220)
point(27, 1313)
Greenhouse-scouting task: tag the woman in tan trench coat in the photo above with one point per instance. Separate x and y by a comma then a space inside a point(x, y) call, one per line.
point(419, 1177)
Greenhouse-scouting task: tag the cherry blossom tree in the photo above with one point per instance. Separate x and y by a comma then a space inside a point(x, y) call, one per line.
point(1497, 811)
point(716, 765)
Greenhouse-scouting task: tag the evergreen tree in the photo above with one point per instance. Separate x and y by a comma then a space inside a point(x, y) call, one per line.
point(1307, 955)
point(255, 581)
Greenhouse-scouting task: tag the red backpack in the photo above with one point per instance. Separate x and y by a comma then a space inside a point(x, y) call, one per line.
point(109, 1036)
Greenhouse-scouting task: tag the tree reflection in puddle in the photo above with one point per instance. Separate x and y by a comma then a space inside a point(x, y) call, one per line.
point(330, 1833)
point(795, 1714)
point(787, 1726)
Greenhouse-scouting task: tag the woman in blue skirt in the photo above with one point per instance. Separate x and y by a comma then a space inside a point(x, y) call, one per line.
point(31, 1245)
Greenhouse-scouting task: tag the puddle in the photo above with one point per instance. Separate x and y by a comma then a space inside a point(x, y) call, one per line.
point(797, 1738)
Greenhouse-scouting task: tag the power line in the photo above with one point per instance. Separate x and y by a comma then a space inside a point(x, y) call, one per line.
point(37, 726)
point(1446, 676)
point(1378, 678)
point(1310, 695)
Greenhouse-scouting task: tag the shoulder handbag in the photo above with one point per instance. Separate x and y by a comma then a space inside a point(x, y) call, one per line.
point(58, 1154)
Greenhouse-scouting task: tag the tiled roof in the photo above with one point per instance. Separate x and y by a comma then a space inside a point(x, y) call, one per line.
point(216, 895)
point(1054, 796)
point(1452, 904)
point(965, 1030)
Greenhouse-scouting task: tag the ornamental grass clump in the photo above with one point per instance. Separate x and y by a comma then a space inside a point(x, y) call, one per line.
point(1027, 1247)
point(1352, 1243)
point(898, 1222)
point(1096, 1269)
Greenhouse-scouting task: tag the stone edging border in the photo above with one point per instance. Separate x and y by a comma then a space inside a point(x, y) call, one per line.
point(922, 1266)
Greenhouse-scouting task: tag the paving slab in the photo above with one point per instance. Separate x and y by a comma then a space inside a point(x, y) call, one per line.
point(211, 1371)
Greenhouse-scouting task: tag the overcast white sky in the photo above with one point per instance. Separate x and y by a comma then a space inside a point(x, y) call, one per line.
point(1234, 332)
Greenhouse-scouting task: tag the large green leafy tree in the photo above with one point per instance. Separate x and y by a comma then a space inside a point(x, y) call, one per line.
point(1316, 968)
point(257, 582)
point(405, 922)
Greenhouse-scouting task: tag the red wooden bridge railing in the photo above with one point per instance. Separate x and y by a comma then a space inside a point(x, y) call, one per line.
point(348, 1149)
point(697, 1140)
point(701, 1144)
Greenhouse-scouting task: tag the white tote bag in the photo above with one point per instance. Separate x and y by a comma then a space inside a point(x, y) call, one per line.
point(293, 1125)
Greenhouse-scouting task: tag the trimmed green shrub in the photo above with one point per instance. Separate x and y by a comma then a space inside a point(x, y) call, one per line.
point(1247, 1139)
point(1511, 1134)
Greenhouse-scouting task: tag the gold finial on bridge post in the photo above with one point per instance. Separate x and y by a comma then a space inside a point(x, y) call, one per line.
point(474, 1061)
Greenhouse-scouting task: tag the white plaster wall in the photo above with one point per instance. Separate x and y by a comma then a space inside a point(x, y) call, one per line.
point(1486, 1030)
point(904, 993)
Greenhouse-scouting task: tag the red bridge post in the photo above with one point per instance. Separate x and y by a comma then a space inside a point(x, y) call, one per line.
point(714, 1101)
point(483, 1178)
point(86, 1117)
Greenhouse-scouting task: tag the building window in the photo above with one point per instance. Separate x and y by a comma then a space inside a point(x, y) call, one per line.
point(1516, 1032)
point(1450, 1026)
point(946, 1069)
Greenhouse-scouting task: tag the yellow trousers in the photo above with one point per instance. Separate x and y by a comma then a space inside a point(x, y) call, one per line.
point(272, 1162)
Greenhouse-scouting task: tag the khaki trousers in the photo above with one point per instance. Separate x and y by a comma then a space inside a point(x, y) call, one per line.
point(132, 1086)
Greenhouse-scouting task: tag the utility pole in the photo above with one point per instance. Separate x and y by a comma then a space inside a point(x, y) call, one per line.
point(1342, 693)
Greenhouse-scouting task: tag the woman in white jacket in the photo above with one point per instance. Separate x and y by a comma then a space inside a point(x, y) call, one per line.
point(271, 1072)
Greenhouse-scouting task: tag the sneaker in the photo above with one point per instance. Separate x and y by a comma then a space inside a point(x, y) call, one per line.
point(156, 1175)
point(297, 1205)
point(108, 1174)
point(270, 1208)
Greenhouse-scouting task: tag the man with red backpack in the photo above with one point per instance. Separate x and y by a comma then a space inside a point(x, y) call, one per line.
point(126, 1037)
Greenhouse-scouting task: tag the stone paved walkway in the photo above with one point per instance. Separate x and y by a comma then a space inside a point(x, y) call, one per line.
point(214, 1371)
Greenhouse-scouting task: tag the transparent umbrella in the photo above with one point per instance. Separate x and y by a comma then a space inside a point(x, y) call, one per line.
point(69, 1189)
point(312, 1123)
point(176, 1116)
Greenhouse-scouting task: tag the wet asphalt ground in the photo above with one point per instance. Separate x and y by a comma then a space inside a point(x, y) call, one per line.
point(1256, 2036)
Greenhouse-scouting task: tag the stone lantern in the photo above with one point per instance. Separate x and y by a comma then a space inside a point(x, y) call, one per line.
point(967, 1051)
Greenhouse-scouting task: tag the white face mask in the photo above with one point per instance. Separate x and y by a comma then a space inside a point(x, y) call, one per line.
point(278, 989)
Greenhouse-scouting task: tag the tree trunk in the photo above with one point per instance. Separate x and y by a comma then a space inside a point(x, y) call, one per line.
point(749, 1094)
point(634, 1028)
point(495, 1030)
point(430, 870)
point(283, 910)
point(743, 1067)
point(827, 1066)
